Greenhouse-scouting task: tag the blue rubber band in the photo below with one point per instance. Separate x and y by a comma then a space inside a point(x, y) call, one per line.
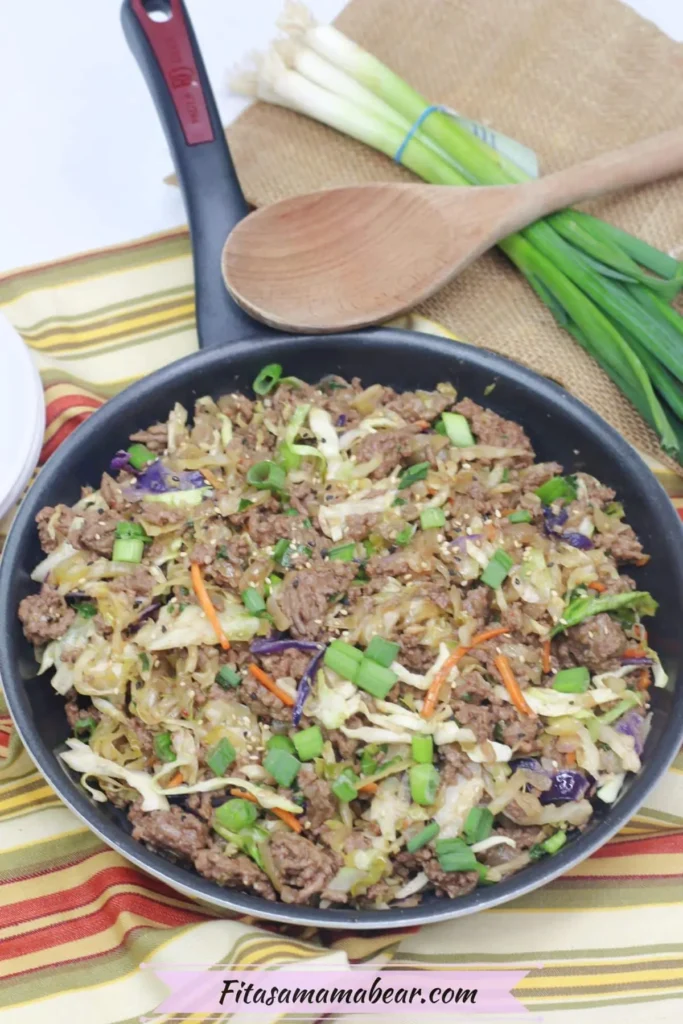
point(415, 127)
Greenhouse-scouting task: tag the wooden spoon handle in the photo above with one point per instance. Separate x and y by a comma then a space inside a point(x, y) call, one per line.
point(638, 164)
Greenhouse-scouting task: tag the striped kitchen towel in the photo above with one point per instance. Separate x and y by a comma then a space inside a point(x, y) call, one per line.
point(603, 944)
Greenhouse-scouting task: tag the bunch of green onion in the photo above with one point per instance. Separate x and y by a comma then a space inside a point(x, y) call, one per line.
point(611, 291)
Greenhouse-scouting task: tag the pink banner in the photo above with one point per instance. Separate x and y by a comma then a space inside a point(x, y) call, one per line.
point(324, 990)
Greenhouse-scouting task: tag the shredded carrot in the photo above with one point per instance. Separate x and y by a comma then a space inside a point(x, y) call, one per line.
point(369, 787)
point(644, 679)
point(512, 686)
point(422, 424)
point(176, 780)
point(210, 478)
point(504, 512)
point(570, 758)
point(286, 816)
point(205, 602)
point(271, 685)
point(642, 561)
point(546, 664)
point(597, 586)
point(634, 652)
point(432, 694)
point(489, 531)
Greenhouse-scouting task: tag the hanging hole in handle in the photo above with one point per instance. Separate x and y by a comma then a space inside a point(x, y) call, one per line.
point(158, 10)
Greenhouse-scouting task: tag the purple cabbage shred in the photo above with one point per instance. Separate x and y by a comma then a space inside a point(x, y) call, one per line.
point(121, 460)
point(305, 686)
point(632, 724)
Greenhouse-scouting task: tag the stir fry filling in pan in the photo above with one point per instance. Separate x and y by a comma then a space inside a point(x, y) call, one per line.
point(339, 645)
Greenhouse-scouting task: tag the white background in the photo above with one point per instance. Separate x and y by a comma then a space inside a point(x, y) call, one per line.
point(82, 156)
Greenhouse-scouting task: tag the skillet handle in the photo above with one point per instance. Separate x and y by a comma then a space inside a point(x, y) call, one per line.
point(170, 60)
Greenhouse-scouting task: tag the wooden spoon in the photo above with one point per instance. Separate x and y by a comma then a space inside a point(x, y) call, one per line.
point(349, 257)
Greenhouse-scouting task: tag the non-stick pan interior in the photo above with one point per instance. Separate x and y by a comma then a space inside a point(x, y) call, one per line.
point(560, 428)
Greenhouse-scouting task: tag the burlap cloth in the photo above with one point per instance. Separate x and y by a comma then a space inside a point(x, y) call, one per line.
point(570, 78)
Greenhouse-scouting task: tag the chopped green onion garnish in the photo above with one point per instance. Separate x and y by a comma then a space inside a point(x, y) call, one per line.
point(423, 749)
point(457, 429)
point(629, 701)
point(139, 456)
point(87, 609)
point(280, 552)
point(555, 488)
point(412, 474)
point(497, 570)
point(423, 837)
point(345, 786)
point(308, 743)
point(432, 518)
point(144, 661)
point(280, 742)
point(342, 553)
point(375, 679)
point(221, 756)
point(520, 516)
point(163, 747)
point(252, 601)
point(405, 535)
point(455, 855)
point(267, 378)
point(506, 476)
point(382, 651)
point(424, 784)
point(478, 825)
point(283, 766)
point(128, 550)
point(236, 814)
point(572, 680)
point(267, 476)
point(343, 659)
point(440, 427)
point(244, 503)
point(125, 530)
point(399, 501)
point(554, 842)
point(368, 758)
point(227, 678)
point(84, 726)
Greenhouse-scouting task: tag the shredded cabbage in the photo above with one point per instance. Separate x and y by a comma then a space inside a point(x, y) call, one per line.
point(267, 798)
point(480, 755)
point(389, 807)
point(191, 627)
point(76, 637)
point(458, 801)
point(44, 568)
point(415, 884)
point(610, 790)
point(81, 758)
point(488, 844)
point(180, 499)
point(332, 518)
point(333, 705)
point(623, 746)
point(320, 422)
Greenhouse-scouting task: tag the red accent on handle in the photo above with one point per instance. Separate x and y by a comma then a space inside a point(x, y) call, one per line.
point(173, 50)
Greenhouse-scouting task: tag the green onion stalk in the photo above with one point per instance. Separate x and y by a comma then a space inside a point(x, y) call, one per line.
point(609, 290)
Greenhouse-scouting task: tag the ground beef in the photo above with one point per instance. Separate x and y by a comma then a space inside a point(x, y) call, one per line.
point(237, 871)
point(480, 718)
point(138, 583)
point(474, 689)
point(112, 492)
point(158, 514)
point(519, 731)
point(266, 529)
point(446, 883)
point(143, 735)
point(597, 493)
point(491, 429)
point(51, 536)
point(155, 437)
point(320, 803)
point(623, 546)
point(524, 836)
point(303, 497)
point(200, 804)
point(393, 446)
point(415, 656)
point(174, 831)
point(237, 406)
point(225, 562)
point(358, 527)
point(45, 616)
point(538, 474)
point(454, 764)
point(477, 604)
point(75, 714)
point(291, 663)
point(305, 595)
point(426, 406)
point(598, 643)
point(345, 745)
point(97, 532)
point(265, 705)
point(303, 869)
point(619, 585)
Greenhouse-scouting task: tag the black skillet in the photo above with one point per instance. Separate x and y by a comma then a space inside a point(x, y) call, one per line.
point(233, 349)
